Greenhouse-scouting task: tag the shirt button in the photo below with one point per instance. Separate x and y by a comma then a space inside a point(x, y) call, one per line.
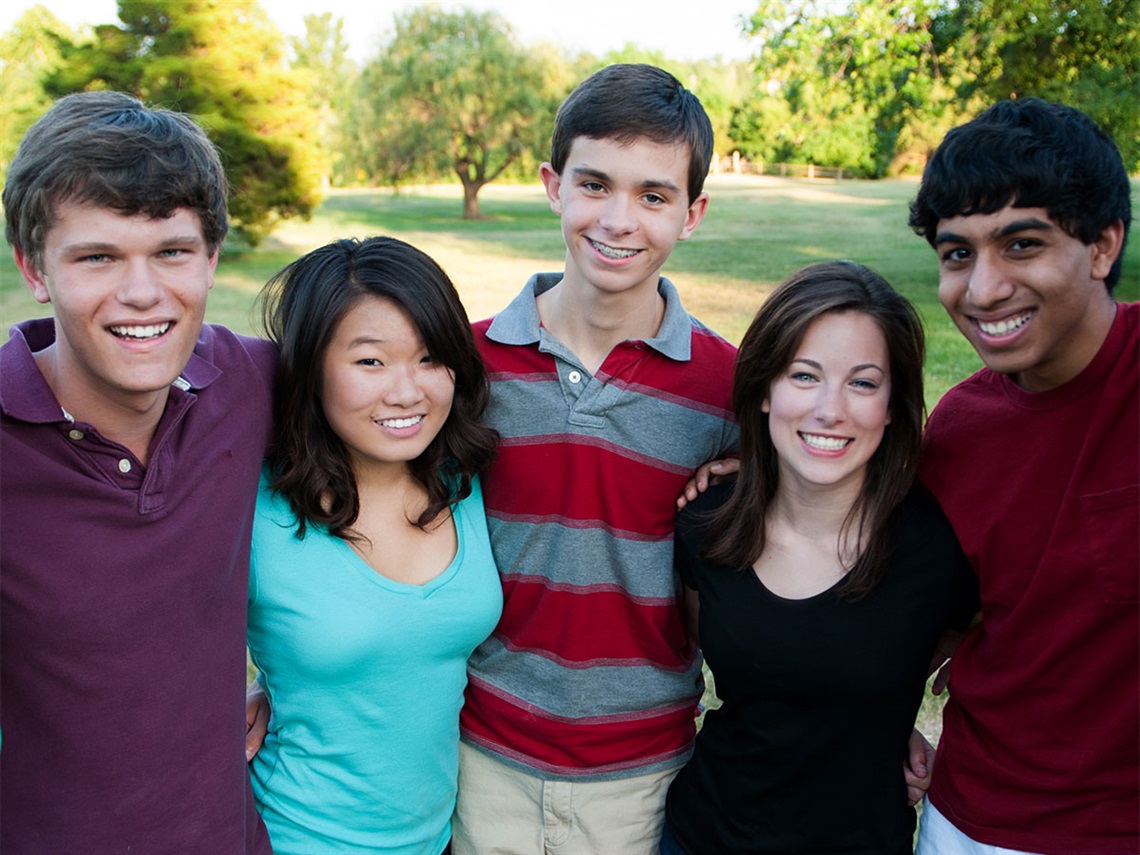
point(574, 377)
point(75, 434)
point(124, 466)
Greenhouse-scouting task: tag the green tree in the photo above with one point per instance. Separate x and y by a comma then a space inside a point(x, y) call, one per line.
point(452, 91)
point(28, 52)
point(225, 64)
point(1080, 52)
point(858, 78)
point(322, 54)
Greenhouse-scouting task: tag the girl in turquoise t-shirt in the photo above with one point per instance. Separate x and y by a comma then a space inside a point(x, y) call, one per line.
point(371, 578)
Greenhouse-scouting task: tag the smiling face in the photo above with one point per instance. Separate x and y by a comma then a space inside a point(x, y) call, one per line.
point(381, 392)
point(129, 295)
point(1028, 296)
point(623, 209)
point(829, 407)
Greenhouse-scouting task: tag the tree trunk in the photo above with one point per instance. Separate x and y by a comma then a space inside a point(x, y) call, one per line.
point(471, 200)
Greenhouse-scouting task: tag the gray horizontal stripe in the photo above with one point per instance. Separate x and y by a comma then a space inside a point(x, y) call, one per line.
point(626, 691)
point(663, 430)
point(582, 557)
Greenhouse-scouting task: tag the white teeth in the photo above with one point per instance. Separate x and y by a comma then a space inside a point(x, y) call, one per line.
point(1004, 327)
point(612, 251)
point(400, 423)
point(140, 333)
point(824, 443)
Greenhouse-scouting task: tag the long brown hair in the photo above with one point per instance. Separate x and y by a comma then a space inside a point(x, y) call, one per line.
point(738, 527)
point(301, 307)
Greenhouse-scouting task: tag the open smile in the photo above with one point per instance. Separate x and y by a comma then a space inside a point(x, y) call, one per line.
point(612, 252)
point(140, 332)
point(400, 423)
point(825, 443)
point(1004, 327)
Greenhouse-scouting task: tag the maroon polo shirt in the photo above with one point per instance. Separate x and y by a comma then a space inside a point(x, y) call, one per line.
point(122, 611)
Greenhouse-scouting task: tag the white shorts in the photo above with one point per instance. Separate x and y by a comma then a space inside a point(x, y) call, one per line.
point(939, 836)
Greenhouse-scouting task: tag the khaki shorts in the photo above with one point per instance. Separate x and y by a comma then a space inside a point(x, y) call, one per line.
point(503, 811)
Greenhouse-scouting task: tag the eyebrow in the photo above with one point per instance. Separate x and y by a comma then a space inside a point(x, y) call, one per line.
point(104, 247)
point(1027, 225)
point(648, 184)
point(364, 340)
point(854, 368)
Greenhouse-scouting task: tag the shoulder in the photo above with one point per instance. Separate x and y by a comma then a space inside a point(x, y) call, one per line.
point(710, 349)
point(923, 531)
point(230, 351)
point(694, 519)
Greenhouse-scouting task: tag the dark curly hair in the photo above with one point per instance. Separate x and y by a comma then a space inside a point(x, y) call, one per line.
point(1028, 153)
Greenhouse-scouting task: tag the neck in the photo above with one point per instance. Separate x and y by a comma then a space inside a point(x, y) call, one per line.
point(592, 322)
point(130, 421)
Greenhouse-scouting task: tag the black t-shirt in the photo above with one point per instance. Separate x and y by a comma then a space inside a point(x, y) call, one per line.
point(806, 754)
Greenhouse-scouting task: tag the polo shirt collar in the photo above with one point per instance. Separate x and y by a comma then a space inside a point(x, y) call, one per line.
point(519, 324)
point(26, 395)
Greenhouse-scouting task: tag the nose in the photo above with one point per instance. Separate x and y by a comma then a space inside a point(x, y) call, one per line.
point(617, 216)
point(139, 287)
point(988, 284)
point(830, 406)
point(404, 388)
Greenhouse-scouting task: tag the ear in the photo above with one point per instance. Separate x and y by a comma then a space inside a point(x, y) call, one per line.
point(33, 276)
point(766, 405)
point(694, 215)
point(213, 267)
point(552, 182)
point(1105, 250)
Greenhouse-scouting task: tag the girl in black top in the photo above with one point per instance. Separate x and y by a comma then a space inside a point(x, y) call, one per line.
point(820, 581)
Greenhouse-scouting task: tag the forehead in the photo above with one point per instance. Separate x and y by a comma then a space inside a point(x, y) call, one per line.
point(374, 318)
point(86, 222)
point(637, 159)
point(1000, 223)
point(852, 334)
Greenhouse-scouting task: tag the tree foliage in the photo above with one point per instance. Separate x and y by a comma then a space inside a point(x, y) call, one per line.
point(875, 85)
point(853, 79)
point(28, 52)
point(1081, 52)
point(451, 91)
point(322, 55)
point(224, 63)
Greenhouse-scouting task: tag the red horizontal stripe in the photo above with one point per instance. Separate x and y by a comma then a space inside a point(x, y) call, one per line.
point(603, 627)
point(554, 745)
point(587, 482)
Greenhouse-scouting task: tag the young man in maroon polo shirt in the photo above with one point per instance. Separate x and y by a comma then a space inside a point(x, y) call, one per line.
point(132, 437)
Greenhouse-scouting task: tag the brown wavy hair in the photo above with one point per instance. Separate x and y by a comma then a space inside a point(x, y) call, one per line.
point(301, 307)
point(738, 527)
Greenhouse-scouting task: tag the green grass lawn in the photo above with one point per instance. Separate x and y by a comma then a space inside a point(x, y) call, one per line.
point(757, 231)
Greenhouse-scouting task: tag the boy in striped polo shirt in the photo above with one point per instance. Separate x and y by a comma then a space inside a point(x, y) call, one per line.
point(607, 394)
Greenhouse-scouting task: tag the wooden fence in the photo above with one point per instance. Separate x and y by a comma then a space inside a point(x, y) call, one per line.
point(739, 166)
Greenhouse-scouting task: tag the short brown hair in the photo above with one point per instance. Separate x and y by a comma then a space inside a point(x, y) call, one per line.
point(626, 102)
point(110, 150)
